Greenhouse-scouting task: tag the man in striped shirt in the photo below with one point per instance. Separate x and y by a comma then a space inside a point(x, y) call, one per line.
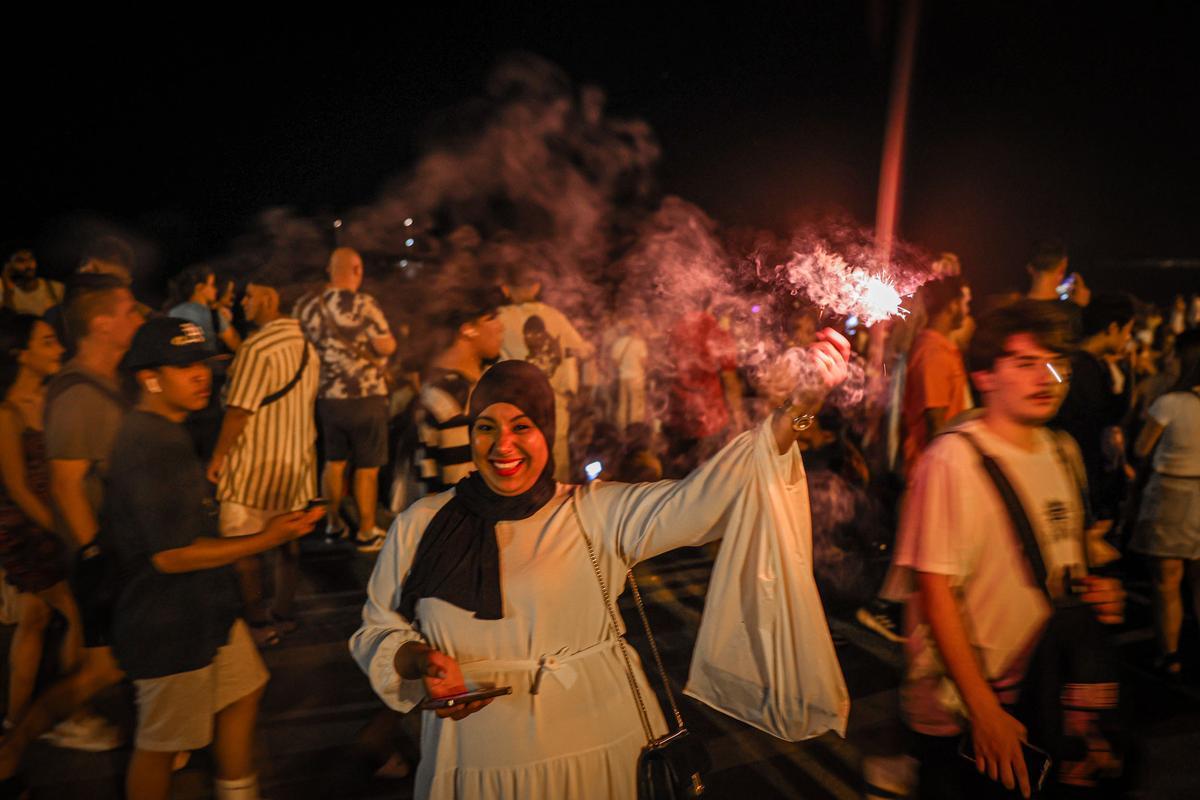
point(445, 433)
point(265, 459)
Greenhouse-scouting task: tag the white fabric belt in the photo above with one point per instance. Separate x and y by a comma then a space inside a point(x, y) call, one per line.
point(560, 666)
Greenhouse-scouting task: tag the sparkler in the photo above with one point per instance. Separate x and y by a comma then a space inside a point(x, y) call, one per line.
point(1054, 372)
point(834, 285)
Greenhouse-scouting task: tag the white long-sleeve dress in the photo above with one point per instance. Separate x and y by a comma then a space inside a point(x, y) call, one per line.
point(571, 728)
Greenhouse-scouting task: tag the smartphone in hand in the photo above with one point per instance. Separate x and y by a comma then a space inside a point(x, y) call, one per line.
point(461, 699)
point(1037, 760)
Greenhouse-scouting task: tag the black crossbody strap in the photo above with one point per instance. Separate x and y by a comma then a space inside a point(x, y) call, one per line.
point(1016, 512)
point(273, 396)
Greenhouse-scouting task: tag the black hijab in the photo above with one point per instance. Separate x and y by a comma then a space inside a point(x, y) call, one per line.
point(458, 559)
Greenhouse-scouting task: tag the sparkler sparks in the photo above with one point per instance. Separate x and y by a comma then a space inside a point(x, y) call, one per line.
point(849, 291)
point(1054, 372)
point(881, 299)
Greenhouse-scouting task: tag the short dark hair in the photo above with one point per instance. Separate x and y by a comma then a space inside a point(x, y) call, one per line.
point(88, 295)
point(184, 284)
point(471, 303)
point(1046, 324)
point(1105, 309)
point(940, 293)
point(1047, 255)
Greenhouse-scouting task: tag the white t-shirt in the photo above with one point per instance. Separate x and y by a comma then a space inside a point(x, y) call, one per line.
point(549, 351)
point(1178, 452)
point(629, 355)
point(47, 293)
point(954, 523)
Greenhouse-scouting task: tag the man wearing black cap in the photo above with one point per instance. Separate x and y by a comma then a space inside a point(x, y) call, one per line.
point(176, 630)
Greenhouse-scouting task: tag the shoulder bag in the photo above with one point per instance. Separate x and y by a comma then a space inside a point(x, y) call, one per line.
point(670, 767)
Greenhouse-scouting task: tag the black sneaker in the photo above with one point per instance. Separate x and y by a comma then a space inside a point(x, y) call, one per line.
point(880, 617)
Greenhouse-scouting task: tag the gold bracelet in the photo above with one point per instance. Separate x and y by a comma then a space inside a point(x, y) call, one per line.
point(800, 422)
point(803, 422)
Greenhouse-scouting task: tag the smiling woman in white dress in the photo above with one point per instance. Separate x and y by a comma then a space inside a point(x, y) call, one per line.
point(491, 584)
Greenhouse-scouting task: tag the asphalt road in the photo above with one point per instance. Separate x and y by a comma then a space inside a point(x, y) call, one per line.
point(318, 701)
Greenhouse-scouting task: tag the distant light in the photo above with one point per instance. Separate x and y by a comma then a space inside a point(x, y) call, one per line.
point(337, 223)
point(754, 309)
point(410, 242)
point(593, 470)
point(404, 262)
point(408, 222)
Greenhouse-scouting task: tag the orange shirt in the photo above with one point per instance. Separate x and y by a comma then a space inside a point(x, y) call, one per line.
point(936, 378)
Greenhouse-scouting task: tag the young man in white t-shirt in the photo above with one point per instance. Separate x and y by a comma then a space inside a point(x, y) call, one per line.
point(977, 613)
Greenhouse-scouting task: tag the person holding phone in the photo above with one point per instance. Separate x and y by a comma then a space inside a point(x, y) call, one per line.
point(490, 586)
point(977, 613)
point(265, 460)
point(175, 626)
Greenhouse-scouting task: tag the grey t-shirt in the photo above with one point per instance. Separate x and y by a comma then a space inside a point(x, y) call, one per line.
point(81, 425)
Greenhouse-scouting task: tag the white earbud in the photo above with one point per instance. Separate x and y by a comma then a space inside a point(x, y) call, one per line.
point(152, 386)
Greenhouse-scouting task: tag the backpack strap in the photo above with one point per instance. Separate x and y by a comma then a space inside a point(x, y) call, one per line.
point(61, 384)
point(276, 395)
point(1016, 512)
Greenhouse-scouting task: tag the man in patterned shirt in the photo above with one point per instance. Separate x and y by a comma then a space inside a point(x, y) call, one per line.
point(353, 340)
point(265, 460)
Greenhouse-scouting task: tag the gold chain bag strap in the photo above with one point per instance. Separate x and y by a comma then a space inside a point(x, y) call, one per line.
point(670, 767)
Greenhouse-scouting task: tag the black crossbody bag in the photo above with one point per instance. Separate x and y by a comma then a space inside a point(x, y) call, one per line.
point(670, 767)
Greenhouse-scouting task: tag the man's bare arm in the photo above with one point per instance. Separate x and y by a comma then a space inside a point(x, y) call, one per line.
point(997, 735)
point(209, 553)
point(383, 345)
point(69, 495)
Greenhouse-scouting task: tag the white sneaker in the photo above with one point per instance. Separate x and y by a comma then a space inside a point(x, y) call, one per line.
point(88, 732)
point(372, 542)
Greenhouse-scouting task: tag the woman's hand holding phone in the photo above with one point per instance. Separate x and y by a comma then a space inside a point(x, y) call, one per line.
point(443, 677)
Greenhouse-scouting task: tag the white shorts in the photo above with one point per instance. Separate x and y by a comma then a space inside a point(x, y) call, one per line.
point(239, 520)
point(177, 712)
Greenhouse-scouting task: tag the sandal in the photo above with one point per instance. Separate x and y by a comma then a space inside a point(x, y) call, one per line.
point(264, 633)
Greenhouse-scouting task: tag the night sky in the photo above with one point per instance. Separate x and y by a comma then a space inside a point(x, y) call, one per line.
point(1026, 120)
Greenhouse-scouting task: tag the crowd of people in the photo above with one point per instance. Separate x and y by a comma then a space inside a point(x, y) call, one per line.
point(154, 465)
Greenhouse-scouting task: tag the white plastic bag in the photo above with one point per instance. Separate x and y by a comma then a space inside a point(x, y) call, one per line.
point(764, 654)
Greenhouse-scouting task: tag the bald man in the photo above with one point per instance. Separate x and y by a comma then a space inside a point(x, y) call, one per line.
point(352, 337)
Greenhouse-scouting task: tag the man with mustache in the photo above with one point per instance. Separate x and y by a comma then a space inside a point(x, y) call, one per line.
point(978, 611)
point(22, 291)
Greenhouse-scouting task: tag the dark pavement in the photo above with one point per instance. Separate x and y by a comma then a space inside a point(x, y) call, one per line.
point(318, 700)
